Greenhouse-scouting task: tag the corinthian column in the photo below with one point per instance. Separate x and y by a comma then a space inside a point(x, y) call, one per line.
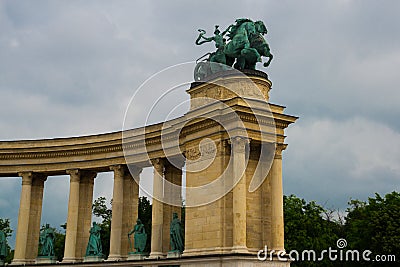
point(157, 210)
point(239, 145)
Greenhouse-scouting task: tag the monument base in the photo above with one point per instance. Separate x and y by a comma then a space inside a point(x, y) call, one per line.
point(174, 254)
point(93, 259)
point(45, 260)
point(217, 260)
point(137, 256)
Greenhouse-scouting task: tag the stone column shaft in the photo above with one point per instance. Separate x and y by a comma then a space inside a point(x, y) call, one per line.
point(85, 212)
point(23, 220)
point(72, 217)
point(29, 216)
point(35, 215)
point(277, 227)
point(117, 206)
point(173, 197)
point(130, 206)
point(157, 210)
point(239, 194)
point(79, 214)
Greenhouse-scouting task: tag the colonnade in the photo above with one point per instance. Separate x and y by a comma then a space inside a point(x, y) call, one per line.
point(124, 212)
point(125, 208)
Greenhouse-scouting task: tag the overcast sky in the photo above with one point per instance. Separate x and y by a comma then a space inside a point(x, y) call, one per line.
point(69, 68)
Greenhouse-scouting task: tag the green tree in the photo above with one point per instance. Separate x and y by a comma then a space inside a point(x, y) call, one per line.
point(375, 226)
point(101, 210)
point(144, 214)
point(59, 245)
point(5, 227)
point(307, 229)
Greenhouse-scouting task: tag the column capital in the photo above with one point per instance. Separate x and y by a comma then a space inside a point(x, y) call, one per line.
point(119, 171)
point(29, 178)
point(88, 176)
point(77, 175)
point(26, 177)
point(239, 144)
point(158, 165)
point(278, 150)
point(74, 175)
point(118, 168)
point(39, 179)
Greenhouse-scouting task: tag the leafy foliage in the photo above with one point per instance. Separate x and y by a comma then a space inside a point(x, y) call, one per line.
point(10, 256)
point(372, 225)
point(59, 245)
point(5, 227)
point(144, 214)
point(375, 226)
point(101, 210)
point(306, 229)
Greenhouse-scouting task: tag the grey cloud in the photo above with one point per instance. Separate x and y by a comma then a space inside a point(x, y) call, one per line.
point(333, 160)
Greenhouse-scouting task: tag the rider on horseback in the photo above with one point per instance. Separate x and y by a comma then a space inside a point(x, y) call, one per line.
point(246, 45)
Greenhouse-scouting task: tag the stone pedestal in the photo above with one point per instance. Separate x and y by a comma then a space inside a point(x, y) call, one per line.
point(137, 256)
point(93, 259)
point(174, 254)
point(45, 260)
point(196, 261)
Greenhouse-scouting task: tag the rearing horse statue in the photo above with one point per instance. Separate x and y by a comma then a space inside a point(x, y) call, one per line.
point(246, 45)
